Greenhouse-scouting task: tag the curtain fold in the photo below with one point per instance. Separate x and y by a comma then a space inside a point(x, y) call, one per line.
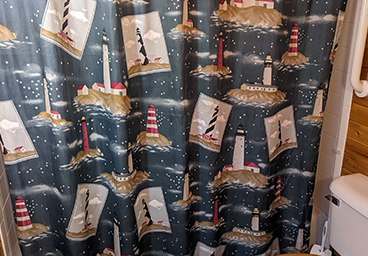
point(133, 127)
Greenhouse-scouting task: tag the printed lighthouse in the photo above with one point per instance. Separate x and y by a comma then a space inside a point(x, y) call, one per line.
point(255, 220)
point(238, 155)
point(64, 32)
point(121, 176)
point(292, 56)
point(186, 191)
point(107, 86)
point(25, 228)
point(293, 44)
point(238, 162)
point(52, 113)
point(87, 224)
point(106, 65)
point(151, 135)
point(187, 194)
point(87, 151)
point(147, 214)
point(219, 69)
point(208, 134)
point(151, 128)
point(186, 21)
point(47, 98)
point(23, 219)
point(254, 230)
point(220, 52)
point(85, 135)
point(267, 79)
point(142, 49)
point(267, 72)
point(299, 243)
point(278, 189)
point(279, 200)
point(317, 110)
point(215, 210)
point(116, 236)
point(240, 171)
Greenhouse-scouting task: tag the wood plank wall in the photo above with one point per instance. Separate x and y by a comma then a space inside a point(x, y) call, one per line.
point(356, 147)
point(1, 249)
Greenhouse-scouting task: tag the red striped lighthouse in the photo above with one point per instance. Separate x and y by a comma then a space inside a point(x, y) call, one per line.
point(215, 211)
point(151, 128)
point(220, 57)
point(293, 44)
point(23, 220)
point(85, 135)
point(278, 189)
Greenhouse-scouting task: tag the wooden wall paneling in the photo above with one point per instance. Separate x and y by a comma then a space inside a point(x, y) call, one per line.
point(1, 248)
point(345, 172)
point(359, 114)
point(356, 147)
point(357, 138)
point(354, 162)
point(365, 58)
point(364, 74)
point(360, 101)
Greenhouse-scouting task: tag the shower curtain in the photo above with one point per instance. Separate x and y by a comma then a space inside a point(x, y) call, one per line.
point(164, 127)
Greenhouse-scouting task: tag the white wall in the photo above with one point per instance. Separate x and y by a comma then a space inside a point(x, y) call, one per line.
point(8, 232)
point(335, 121)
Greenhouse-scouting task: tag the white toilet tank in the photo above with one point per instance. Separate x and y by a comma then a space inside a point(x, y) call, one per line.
point(349, 221)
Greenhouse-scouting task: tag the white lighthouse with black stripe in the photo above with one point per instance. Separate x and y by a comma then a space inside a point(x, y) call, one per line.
point(211, 125)
point(65, 26)
point(86, 212)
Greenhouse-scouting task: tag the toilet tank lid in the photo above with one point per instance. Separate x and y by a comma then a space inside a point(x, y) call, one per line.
point(353, 190)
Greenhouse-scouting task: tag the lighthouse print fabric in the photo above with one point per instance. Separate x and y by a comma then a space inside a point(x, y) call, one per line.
point(89, 202)
point(179, 127)
point(19, 146)
point(208, 122)
point(145, 45)
point(67, 23)
point(280, 130)
point(150, 212)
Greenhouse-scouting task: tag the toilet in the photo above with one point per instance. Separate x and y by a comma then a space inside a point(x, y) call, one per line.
point(348, 215)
